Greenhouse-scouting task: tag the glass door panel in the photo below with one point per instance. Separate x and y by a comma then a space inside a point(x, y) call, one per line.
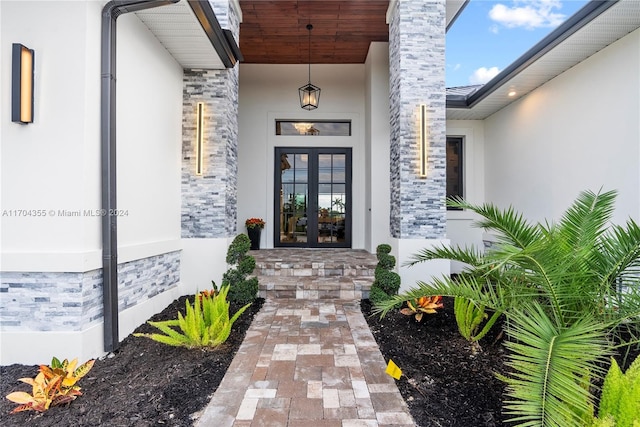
point(294, 193)
point(331, 198)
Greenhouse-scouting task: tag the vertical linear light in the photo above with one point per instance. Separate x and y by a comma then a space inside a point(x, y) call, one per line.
point(22, 84)
point(199, 137)
point(423, 141)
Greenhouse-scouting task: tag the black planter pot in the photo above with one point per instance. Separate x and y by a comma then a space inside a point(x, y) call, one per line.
point(254, 236)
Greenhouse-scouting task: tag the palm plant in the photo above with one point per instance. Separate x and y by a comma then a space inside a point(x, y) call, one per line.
point(565, 288)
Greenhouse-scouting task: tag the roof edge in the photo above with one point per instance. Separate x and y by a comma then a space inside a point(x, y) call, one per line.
point(228, 52)
point(463, 7)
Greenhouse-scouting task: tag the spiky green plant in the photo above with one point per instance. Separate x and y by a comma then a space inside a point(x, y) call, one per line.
point(469, 317)
point(550, 369)
point(206, 322)
point(572, 271)
point(620, 399)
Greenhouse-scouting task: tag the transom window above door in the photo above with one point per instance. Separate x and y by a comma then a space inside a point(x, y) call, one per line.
point(313, 128)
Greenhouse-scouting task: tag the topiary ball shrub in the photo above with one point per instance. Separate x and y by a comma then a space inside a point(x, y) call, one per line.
point(383, 248)
point(246, 292)
point(377, 295)
point(385, 261)
point(387, 282)
point(242, 290)
point(238, 249)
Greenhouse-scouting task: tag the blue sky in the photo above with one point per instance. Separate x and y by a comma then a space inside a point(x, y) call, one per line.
point(489, 35)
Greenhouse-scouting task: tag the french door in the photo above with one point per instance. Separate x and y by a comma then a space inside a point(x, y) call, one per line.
point(312, 197)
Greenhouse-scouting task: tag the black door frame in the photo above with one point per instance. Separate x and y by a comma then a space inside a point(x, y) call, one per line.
point(312, 204)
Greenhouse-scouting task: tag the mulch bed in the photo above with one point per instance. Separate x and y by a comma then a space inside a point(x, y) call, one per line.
point(143, 383)
point(445, 380)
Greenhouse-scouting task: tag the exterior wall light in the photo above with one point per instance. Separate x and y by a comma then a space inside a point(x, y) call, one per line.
point(199, 138)
point(423, 142)
point(22, 84)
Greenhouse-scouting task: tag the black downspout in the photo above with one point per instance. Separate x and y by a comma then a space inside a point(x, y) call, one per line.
point(110, 13)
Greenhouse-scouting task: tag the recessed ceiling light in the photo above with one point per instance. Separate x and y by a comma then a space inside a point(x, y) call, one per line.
point(512, 93)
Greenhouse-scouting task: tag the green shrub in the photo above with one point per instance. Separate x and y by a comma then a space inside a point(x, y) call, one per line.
point(387, 282)
point(620, 400)
point(383, 248)
point(238, 249)
point(205, 324)
point(246, 292)
point(241, 289)
point(385, 260)
point(607, 422)
point(246, 265)
point(558, 285)
point(377, 295)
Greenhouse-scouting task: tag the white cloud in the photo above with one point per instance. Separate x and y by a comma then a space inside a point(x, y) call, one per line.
point(456, 67)
point(483, 75)
point(529, 14)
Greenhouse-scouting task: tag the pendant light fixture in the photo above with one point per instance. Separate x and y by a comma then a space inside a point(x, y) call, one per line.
point(309, 93)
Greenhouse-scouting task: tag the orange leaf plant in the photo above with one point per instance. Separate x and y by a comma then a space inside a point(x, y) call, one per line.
point(422, 305)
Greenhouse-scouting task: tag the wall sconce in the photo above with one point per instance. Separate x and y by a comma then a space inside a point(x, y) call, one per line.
point(199, 137)
point(423, 141)
point(22, 84)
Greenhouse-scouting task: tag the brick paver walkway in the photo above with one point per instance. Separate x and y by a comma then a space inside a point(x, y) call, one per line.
point(311, 363)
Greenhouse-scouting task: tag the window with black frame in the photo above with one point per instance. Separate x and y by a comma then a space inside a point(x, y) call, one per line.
point(455, 183)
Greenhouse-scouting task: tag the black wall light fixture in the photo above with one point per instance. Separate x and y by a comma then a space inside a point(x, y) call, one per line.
point(309, 93)
point(22, 60)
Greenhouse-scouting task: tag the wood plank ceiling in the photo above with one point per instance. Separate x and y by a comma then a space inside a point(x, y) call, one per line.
point(274, 31)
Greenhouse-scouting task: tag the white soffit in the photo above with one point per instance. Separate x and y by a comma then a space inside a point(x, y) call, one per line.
point(453, 8)
point(178, 30)
point(613, 24)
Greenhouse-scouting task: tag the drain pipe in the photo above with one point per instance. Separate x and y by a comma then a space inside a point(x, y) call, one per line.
point(110, 13)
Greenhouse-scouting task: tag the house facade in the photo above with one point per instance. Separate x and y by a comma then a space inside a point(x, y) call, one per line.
point(179, 188)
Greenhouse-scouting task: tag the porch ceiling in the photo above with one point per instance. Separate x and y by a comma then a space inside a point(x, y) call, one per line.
point(274, 31)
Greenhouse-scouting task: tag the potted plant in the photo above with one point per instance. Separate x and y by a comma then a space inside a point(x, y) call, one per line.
point(254, 227)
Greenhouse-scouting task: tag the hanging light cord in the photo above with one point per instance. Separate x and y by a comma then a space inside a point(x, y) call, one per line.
point(309, 27)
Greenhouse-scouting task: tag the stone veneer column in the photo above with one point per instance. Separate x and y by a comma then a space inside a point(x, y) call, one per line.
point(417, 67)
point(209, 207)
point(416, 76)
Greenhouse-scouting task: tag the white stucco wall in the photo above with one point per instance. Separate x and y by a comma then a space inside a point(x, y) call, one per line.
point(460, 230)
point(377, 140)
point(54, 164)
point(149, 134)
point(578, 131)
point(270, 92)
